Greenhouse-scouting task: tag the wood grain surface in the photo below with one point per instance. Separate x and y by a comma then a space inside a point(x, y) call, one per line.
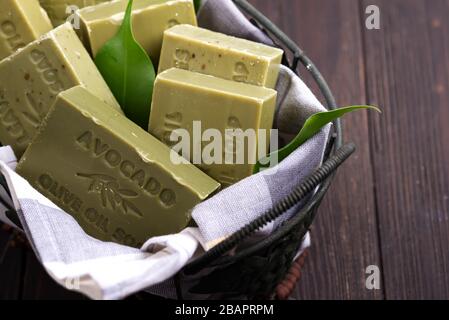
point(11, 266)
point(344, 234)
point(407, 69)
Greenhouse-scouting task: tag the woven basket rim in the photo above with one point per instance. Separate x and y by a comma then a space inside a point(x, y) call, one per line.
point(334, 143)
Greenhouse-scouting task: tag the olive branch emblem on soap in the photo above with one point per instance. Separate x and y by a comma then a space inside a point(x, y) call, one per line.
point(111, 194)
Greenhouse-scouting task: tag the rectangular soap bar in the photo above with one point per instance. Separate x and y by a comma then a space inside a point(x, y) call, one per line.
point(60, 10)
point(21, 22)
point(150, 19)
point(117, 181)
point(181, 97)
point(216, 54)
point(31, 78)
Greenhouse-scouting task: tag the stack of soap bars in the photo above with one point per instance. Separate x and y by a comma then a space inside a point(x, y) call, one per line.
point(76, 147)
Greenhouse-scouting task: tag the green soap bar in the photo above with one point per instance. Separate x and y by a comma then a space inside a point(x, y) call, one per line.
point(21, 22)
point(216, 54)
point(60, 10)
point(150, 19)
point(31, 78)
point(117, 181)
point(181, 97)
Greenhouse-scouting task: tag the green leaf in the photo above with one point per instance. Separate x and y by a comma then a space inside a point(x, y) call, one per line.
point(197, 4)
point(128, 71)
point(312, 126)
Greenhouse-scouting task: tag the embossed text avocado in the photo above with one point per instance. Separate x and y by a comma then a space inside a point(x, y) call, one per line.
point(120, 183)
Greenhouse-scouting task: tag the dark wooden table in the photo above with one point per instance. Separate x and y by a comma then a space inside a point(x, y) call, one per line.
point(389, 205)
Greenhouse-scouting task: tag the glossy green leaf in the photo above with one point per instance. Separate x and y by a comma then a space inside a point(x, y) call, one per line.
point(197, 4)
point(311, 127)
point(128, 71)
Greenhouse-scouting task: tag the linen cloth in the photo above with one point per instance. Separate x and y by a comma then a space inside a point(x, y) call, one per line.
point(104, 270)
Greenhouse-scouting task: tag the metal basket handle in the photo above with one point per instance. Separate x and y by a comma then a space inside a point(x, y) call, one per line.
point(299, 194)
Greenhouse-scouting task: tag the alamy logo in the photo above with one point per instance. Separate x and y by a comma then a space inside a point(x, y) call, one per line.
point(72, 283)
point(372, 21)
point(373, 278)
point(233, 146)
point(72, 17)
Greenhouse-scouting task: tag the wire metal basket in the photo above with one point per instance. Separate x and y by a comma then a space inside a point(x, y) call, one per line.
point(255, 271)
